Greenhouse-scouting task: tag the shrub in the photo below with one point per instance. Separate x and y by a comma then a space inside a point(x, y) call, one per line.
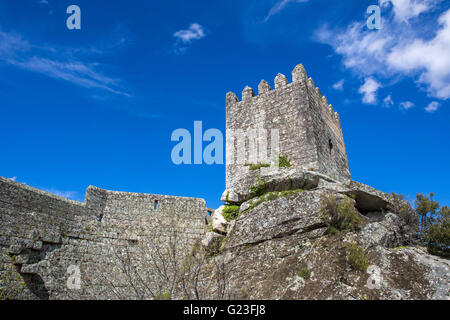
point(426, 207)
point(356, 256)
point(400, 207)
point(341, 215)
point(284, 162)
point(437, 235)
point(349, 216)
point(305, 273)
point(230, 212)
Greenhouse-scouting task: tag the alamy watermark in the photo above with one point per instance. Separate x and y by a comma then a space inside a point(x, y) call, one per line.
point(74, 20)
point(375, 279)
point(374, 20)
point(74, 279)
point(249, 146)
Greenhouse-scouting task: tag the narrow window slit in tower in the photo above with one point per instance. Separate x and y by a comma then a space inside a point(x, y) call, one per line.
point(156, 204)
point(330, 144)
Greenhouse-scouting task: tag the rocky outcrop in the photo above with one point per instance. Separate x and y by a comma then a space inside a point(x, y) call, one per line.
point(279, 247)
point(219, 224)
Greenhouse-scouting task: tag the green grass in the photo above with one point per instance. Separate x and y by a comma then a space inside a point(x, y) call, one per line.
point(230, 212)
point(288, 193)
point(357, 257)
point(304, 273)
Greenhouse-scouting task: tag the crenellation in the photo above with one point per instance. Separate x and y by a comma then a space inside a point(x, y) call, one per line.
point(318, 93)
point(232, 98)
point(299, 73)
point(263, 87)
point(247, 93)
point(280, 81)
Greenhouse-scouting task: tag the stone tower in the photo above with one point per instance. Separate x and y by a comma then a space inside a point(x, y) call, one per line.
point(309, 131)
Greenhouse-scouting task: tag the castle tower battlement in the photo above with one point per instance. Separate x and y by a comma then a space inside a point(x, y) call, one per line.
point(310, 132)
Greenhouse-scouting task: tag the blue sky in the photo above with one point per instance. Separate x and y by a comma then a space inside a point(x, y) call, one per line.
point(97, 106)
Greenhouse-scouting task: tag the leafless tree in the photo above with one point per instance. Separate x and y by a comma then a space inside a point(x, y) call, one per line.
point(163, 264)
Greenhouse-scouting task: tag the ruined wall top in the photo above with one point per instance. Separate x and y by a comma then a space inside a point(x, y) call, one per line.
point(299, 75)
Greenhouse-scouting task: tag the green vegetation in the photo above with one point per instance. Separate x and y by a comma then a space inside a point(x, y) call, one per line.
point(254, 204)
point(341, 215)
point(356, 256)
point(403, 209)
point(288, 193)
point(426, 208)
point(271, 196)
point(230, 212)
point(437, 234)
point(331, 230)
point(434, 224)
point(304, 273)
point(163, 296)
point(284, 162)
point(260, 188)
point(399, 248)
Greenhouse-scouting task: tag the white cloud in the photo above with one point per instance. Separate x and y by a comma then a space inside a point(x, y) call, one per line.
point(388, 102)
point(194, 32)
point(404, 10)
point(430, 58)
point(185, 37)
point(279, 6)
point(13, 178)
point(339, 85)
point(406, 105)
point(54, 63)
point(432, 106)
point(398, 48)
point(369, 90)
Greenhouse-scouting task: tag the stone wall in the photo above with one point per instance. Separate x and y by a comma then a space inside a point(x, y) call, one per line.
point(310, 132)
point(42, 235)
